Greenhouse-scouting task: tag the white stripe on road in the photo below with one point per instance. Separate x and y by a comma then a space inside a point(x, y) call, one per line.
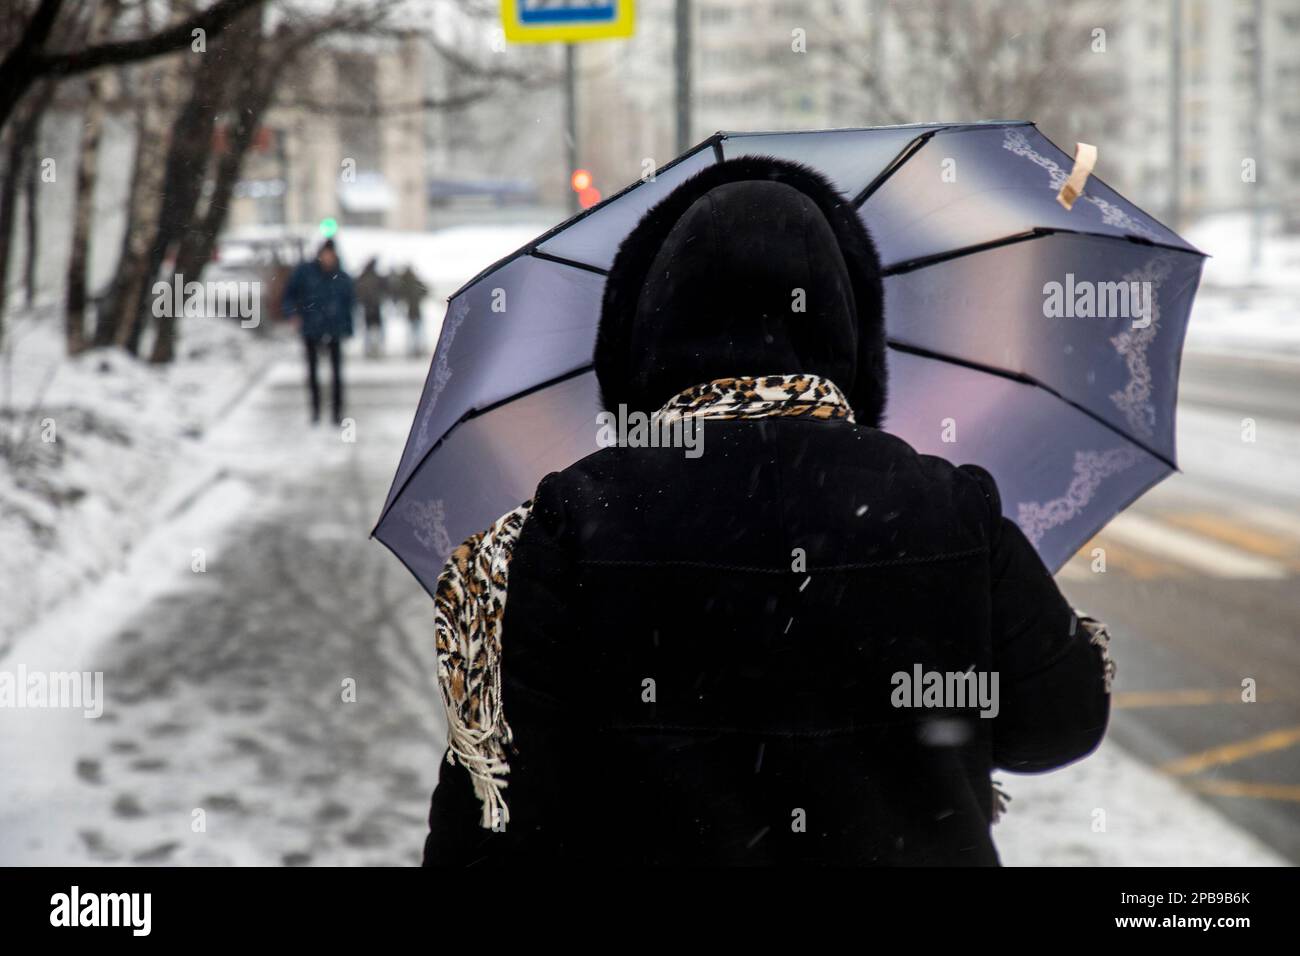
point(1215, 559)
point(1275, 519)
point(1071, 571)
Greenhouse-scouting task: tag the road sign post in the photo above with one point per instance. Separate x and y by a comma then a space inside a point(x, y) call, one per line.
point(568, 22)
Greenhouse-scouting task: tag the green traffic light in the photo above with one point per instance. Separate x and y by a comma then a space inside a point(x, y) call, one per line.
point(328, 227)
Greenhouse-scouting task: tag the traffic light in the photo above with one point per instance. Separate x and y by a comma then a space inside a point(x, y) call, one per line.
point(329, 226)
point(588, 195)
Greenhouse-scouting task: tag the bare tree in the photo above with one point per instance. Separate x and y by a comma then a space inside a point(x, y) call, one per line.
point(74, 309)
point(157, 87)
point(29, 58)
point(167, 188)
point(953, 59)
point(260, 84)
point(245, 95)
point(31, 232)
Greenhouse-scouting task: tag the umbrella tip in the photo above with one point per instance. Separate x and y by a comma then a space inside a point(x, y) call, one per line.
point(1085, 158)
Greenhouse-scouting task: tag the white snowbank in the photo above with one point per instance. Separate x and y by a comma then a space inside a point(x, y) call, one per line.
point(1228, 240)
point(97, 449)
point(445, 259)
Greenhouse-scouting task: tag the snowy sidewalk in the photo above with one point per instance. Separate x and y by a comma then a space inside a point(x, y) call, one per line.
point(226, 738)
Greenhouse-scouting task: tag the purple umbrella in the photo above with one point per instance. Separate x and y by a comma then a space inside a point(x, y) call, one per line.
point(1040, 342)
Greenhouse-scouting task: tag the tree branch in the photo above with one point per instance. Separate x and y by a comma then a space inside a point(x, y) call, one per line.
point(212, 21)
point(426, 104)
point(27, 61)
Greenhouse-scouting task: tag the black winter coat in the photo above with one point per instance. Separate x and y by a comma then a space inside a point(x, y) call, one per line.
point(700, 654)
point(772, 687)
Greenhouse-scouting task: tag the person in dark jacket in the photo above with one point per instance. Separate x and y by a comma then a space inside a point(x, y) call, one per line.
point(319, 298)
point(371, 289)
point(808, 644)
point(412, 292)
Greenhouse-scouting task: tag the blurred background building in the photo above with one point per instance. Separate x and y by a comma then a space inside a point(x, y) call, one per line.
point(1194, 105)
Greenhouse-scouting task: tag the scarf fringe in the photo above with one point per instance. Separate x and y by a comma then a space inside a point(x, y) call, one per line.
point(469, 607)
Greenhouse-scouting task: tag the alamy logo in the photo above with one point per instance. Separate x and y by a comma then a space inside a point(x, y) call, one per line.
point(213, 300)
point(103, 909)
point(1098, 300)
point(53, 690)
point(639, 430)
point(946, 690)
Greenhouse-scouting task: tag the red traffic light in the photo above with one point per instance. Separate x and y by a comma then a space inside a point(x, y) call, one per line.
point(580, 180)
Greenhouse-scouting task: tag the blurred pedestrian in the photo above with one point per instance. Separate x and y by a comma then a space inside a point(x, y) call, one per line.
point(319, 300)
point(411, 292)
point(371, 287)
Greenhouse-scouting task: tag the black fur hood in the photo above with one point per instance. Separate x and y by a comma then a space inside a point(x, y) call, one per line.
point(754, 266)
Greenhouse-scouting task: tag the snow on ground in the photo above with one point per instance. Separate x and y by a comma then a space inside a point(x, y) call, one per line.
point(1234, 263)
point(1111, 809)
point(445, 259)
point(1243, 305)
point(95, 448)
point(222, 688)
point(1245, 322)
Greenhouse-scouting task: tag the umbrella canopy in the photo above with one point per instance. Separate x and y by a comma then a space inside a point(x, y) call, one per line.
point(1039, 342)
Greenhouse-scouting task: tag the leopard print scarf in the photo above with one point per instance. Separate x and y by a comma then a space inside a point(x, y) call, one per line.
point(800, 396)
point(470, 595)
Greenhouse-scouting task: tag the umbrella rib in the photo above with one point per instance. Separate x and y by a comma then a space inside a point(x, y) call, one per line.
point(906, 153)
point(555, 230)
point(1025, 379)
point(549, 257)
point(1038, 232)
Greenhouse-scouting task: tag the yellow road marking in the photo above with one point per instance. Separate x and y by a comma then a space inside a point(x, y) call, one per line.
point(1137, 699)
point(1231, 753)
point(1230, 532)
point(1192, 549)
point(1130, 560)
point(1243, 788)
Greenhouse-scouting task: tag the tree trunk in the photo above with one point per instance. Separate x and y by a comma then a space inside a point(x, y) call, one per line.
point(251, 98)
point(83, 216)
point(27, 61)
point(131, 279)
point(21, 134)
point(30, 206)
point(182, 184)
point(74, 310)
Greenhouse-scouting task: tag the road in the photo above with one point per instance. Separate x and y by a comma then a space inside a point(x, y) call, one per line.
point(1201, 589)
point(227, 737)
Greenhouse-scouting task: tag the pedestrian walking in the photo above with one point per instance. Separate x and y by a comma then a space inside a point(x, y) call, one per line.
point(411, 292)
point(809, 643)
point(371, 288)
point(319, 298)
